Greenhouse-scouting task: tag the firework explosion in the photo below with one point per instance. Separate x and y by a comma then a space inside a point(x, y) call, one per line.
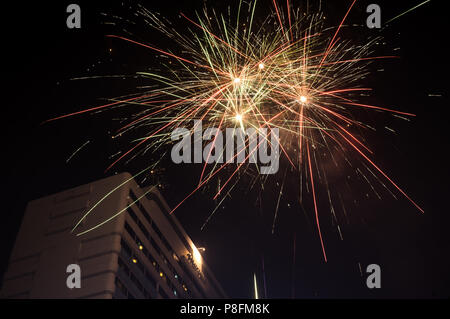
point(286, 71)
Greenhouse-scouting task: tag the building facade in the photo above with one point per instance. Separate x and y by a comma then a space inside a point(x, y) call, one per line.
point(127, 246)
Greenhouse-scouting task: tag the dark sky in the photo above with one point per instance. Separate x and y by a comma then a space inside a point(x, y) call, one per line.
point(40, 55)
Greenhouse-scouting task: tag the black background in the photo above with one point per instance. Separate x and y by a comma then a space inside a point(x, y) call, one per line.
point(40, 56)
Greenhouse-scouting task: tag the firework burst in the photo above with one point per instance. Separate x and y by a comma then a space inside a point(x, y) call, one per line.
point(287, 71)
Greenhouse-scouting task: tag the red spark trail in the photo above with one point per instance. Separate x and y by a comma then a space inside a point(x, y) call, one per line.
point(289, 18)
point(278, 15)
point(210, 151)
point(384, 174)
point(239, 166)
point(315, 204)
point(300, 136)
point(94, 108)
point(380, 108)
point(354, 138)
point(337, 31)
point(150, 114)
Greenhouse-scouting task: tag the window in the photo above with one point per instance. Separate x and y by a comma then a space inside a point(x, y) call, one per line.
point(121, 287)
point(162, 293)
point(147, 294)
point(123, 266)
point(130, 230)
point(150, 278)
point(136, 282)
point(125, 247)
point(132, 214)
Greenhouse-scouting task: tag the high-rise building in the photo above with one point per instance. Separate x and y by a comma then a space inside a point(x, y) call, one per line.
point(138, 249)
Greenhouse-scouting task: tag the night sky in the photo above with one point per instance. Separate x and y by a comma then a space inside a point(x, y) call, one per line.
point(40, 56)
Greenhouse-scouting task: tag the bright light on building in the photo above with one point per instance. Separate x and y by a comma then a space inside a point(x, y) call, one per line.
point(197, 257)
